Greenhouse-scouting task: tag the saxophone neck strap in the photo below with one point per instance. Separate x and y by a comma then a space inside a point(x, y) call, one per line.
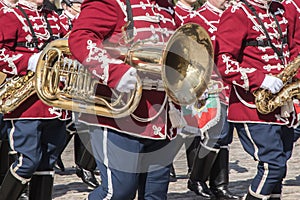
point(34, 43)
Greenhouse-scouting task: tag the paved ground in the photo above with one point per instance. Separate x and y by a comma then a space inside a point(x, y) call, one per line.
point(242, 168)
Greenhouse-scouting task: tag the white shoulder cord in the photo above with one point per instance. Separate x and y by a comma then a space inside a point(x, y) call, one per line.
point(151, 118)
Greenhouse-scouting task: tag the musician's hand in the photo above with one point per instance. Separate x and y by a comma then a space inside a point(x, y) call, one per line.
point(272, 83)
point(128, 81)
point(204, 96)
point(33, 60)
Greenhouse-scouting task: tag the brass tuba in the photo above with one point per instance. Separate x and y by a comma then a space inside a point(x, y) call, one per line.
point(267, 102)
point(65, 83)
point(184, 65)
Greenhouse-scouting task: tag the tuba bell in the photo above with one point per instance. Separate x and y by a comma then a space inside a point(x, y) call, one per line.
point(184, 65)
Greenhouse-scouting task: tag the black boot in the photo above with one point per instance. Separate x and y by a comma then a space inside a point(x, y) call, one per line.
point(202, 164)
point(219, 177)
point(41, 185)
point(173, 177)
point(191, 152)
point(59, 164)
point(250, 197)
point(12, 187)
point(4, 159)
point(69, 134)
point(87, 177)
point(85, 162)
point(25, 194)
point(201, 189)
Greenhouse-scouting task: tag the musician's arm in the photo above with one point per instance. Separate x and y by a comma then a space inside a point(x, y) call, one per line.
point(12, 62)
point(86, 40)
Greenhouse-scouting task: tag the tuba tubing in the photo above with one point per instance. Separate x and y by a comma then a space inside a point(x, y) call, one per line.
point(77, 93)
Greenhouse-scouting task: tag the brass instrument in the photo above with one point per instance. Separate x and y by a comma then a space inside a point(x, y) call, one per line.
point(65, 83)
point(184, 64)
point(267, 102)
point(15, 91)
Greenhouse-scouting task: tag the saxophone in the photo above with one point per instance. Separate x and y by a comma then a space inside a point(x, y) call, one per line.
point(267, 102)
point(15, 91)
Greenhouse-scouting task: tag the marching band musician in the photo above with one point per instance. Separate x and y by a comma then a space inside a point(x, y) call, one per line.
point(253, 45)
point(211, 160)
point(132, 153)
point(36, 131)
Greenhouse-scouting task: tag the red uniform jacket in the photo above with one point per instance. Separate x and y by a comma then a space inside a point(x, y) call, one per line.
point(181, 12)
point(67, 20)
point(208, 16)
point(14, 57)
point(102, 21)
point(245, 67)
point(293, 16)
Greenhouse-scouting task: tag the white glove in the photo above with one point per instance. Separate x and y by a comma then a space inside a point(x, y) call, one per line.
point(204, 96)
point(32, 62)
point(272, 83)
point(128, 81)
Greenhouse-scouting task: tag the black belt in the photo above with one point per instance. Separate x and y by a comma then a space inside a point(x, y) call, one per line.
point(263, 43)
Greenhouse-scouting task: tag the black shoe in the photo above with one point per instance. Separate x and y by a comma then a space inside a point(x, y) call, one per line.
point(87, 177)
point(173, 177)
point(200, 189)
point(59, 164)
point(96, 172)
point(24, 196)
point(222, 193)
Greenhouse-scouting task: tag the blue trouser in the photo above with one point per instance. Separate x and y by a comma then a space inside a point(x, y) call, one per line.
point(128, 164)
point(226, 135)
point(37, 144)
point(270, 145)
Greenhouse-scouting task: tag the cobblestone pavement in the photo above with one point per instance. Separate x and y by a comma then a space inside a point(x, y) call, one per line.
point(242, 169)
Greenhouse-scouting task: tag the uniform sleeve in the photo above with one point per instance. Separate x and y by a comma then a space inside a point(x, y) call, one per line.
point(293, 17)
point(97, 22)
point(231, 34)
point(11, 62)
